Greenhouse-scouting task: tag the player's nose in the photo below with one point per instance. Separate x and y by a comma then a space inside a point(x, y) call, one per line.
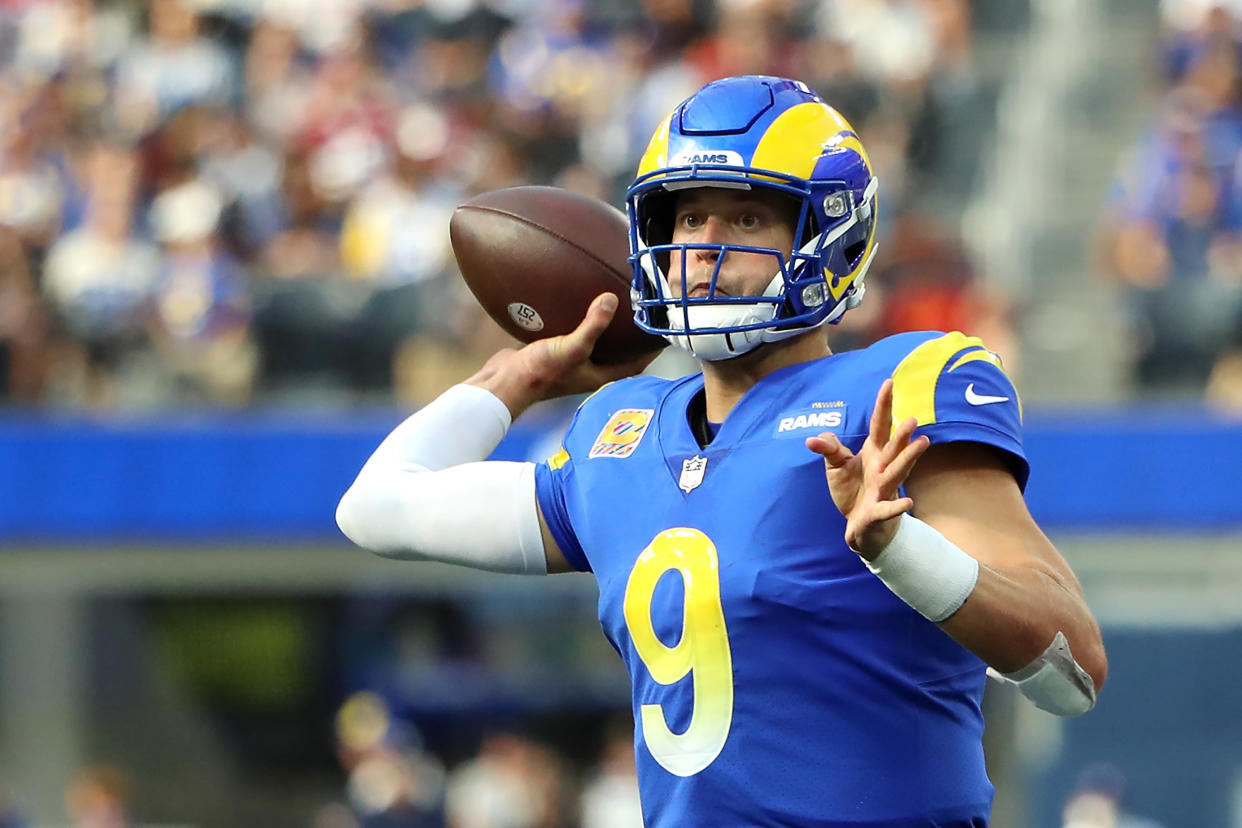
point(714, 232)
point(715, 228)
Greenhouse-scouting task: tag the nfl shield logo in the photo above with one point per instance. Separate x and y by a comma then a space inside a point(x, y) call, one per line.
point(692, 473)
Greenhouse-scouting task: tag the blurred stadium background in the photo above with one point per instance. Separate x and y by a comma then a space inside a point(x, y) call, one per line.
point(224, 274)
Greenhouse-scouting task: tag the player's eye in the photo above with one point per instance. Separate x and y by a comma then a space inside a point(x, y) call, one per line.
point(748, 221)
point(690, 221)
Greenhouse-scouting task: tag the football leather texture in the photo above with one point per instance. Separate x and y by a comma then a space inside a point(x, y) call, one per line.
point(535, 257)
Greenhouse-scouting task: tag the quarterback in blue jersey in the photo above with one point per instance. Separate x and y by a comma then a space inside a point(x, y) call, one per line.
point(806, 560)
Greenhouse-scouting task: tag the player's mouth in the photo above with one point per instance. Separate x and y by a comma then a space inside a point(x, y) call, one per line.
point(701, 290)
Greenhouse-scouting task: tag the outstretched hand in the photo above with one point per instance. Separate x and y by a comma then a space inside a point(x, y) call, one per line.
point(864, 486)
point(558, 365)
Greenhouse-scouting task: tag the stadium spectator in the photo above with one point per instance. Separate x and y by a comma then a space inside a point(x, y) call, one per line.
point(393, 243)
point(1098, 801)
point(348, 127)
point(1193, 26)
point(172, 66)
point(298, 317)
point(392, 782)
point(1174, 236)
point(23, 325)
point(278, 82)
point(247, 174)
point(513, 782)
point(35, 180)
point(70, 37)
point(98, 796)
point(610, 791)
point(98, 279)
point(199, 319)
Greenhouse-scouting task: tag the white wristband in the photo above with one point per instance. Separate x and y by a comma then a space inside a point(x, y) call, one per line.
point(926, 570)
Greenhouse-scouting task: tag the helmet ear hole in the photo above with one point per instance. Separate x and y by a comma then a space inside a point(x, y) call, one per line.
point(854, 252)
point(854, 244)
point(657, 218)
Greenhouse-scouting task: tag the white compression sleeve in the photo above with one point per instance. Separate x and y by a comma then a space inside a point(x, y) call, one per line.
point(462, 425)
point(423, 496)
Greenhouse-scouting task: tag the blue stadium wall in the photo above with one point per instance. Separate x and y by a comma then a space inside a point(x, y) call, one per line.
point(277, 475)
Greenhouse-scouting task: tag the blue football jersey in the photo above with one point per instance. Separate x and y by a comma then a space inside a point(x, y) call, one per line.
point(776, 681)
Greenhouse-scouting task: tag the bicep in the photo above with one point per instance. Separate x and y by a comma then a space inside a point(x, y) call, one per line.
point(968, 492)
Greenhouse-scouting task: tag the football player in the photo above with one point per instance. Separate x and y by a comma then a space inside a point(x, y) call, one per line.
point(807, 560)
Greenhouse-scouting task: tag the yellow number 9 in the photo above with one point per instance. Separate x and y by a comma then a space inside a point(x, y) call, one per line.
point(703, 649)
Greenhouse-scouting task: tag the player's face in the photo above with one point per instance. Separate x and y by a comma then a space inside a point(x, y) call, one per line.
point(754, 218)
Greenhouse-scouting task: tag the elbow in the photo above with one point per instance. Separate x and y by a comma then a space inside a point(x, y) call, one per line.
point(1086, 649)
point(347, 515)
point(1095, 663)
point(1094, 672)
point(359, 514)
point(369, 515)
point(1062, 681)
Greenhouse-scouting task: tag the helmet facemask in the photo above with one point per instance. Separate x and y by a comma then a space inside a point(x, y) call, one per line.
point(798, 297)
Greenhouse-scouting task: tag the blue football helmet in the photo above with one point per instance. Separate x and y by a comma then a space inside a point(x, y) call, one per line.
point(742, 133)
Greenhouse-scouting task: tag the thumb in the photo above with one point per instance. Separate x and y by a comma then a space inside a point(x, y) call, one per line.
point(594, 323)
point(835, 453)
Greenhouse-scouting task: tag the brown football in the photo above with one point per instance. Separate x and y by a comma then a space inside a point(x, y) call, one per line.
point(535, 257)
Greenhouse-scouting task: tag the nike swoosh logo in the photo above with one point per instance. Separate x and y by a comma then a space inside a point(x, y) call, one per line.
point(981, 399)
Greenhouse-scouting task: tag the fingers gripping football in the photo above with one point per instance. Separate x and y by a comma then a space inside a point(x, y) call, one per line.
point(572, 354)
point(558, 365)
point(866, 486)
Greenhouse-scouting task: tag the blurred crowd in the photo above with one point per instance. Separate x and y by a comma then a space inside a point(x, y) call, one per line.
point(389, 778)
point(512, 781)
point(216, 202)
point(1173, 237)
point(1099, 801)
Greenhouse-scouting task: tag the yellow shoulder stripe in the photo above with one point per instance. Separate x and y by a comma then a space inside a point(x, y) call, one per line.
point(914, 380)
point(985, 355)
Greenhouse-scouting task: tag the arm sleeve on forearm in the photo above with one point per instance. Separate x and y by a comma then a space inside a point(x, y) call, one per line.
point(423, 495)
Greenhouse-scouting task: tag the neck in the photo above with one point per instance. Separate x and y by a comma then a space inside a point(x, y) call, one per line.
point(726, 381)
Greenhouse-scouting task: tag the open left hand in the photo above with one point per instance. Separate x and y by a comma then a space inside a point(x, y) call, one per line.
point(864, 486)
